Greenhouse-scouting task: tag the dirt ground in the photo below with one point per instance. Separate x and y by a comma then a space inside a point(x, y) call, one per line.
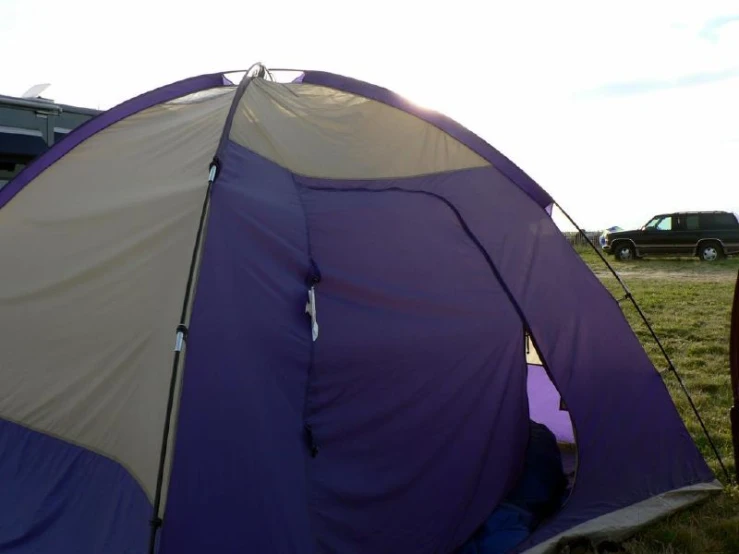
point(649, 272)
point(667, 269)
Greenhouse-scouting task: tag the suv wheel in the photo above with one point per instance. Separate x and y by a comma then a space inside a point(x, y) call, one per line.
point(624, 251)
point(710, 252)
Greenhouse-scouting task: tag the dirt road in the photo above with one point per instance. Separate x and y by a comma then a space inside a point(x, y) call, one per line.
point(643, 270)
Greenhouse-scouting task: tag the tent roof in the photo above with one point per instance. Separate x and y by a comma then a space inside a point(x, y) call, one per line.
point(354, 86)
point(465, 136)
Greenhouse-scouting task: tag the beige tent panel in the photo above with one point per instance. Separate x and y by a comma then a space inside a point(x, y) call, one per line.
point(532, 354)
point(321, 132)
point(96, 256)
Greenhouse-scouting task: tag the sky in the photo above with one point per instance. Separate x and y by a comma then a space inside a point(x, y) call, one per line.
point(619, 110)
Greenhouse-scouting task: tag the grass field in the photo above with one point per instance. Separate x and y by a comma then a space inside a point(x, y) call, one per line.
point(688, 304)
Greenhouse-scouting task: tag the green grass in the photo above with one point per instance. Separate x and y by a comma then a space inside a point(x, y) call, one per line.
point(688, 303)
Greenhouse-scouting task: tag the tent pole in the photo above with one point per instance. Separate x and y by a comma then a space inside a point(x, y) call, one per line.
point(258, 71)
point(670, 365)
point(180, 339)
point(734, 368)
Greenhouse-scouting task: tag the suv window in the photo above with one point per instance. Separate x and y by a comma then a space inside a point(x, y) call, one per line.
point(718, 221)
point(693, 222)
point(661, 223)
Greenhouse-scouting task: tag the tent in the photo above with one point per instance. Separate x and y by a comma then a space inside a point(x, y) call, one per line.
point(290, 317)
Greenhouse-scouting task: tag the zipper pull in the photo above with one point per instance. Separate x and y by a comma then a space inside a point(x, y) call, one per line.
point(310, 307)
point(311, 439)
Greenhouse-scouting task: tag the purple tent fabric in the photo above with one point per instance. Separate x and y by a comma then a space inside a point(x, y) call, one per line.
point(239, 474)
point(418, 342)
point(367, 286)
point(372, 402)
point(61, 498)
point(532, 258)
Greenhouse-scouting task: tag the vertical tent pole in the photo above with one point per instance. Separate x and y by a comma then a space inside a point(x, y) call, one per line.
point(257, 70)
point(670, 365)
point(734, 367)
point(180, 339)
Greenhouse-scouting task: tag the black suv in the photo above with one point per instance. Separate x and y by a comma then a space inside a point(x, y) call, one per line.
point(708, 235)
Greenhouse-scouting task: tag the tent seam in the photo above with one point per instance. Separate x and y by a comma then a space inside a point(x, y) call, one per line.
point(86, 448)
point(311, 261)
point(311, 266)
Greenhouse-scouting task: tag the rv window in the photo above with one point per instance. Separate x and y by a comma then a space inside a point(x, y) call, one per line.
point(8, 170)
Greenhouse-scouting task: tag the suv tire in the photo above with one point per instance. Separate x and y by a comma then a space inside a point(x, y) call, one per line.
point(710, 251)
point(624, 251)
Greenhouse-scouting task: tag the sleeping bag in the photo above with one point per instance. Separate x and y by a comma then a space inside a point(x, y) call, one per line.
point(538, 493)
